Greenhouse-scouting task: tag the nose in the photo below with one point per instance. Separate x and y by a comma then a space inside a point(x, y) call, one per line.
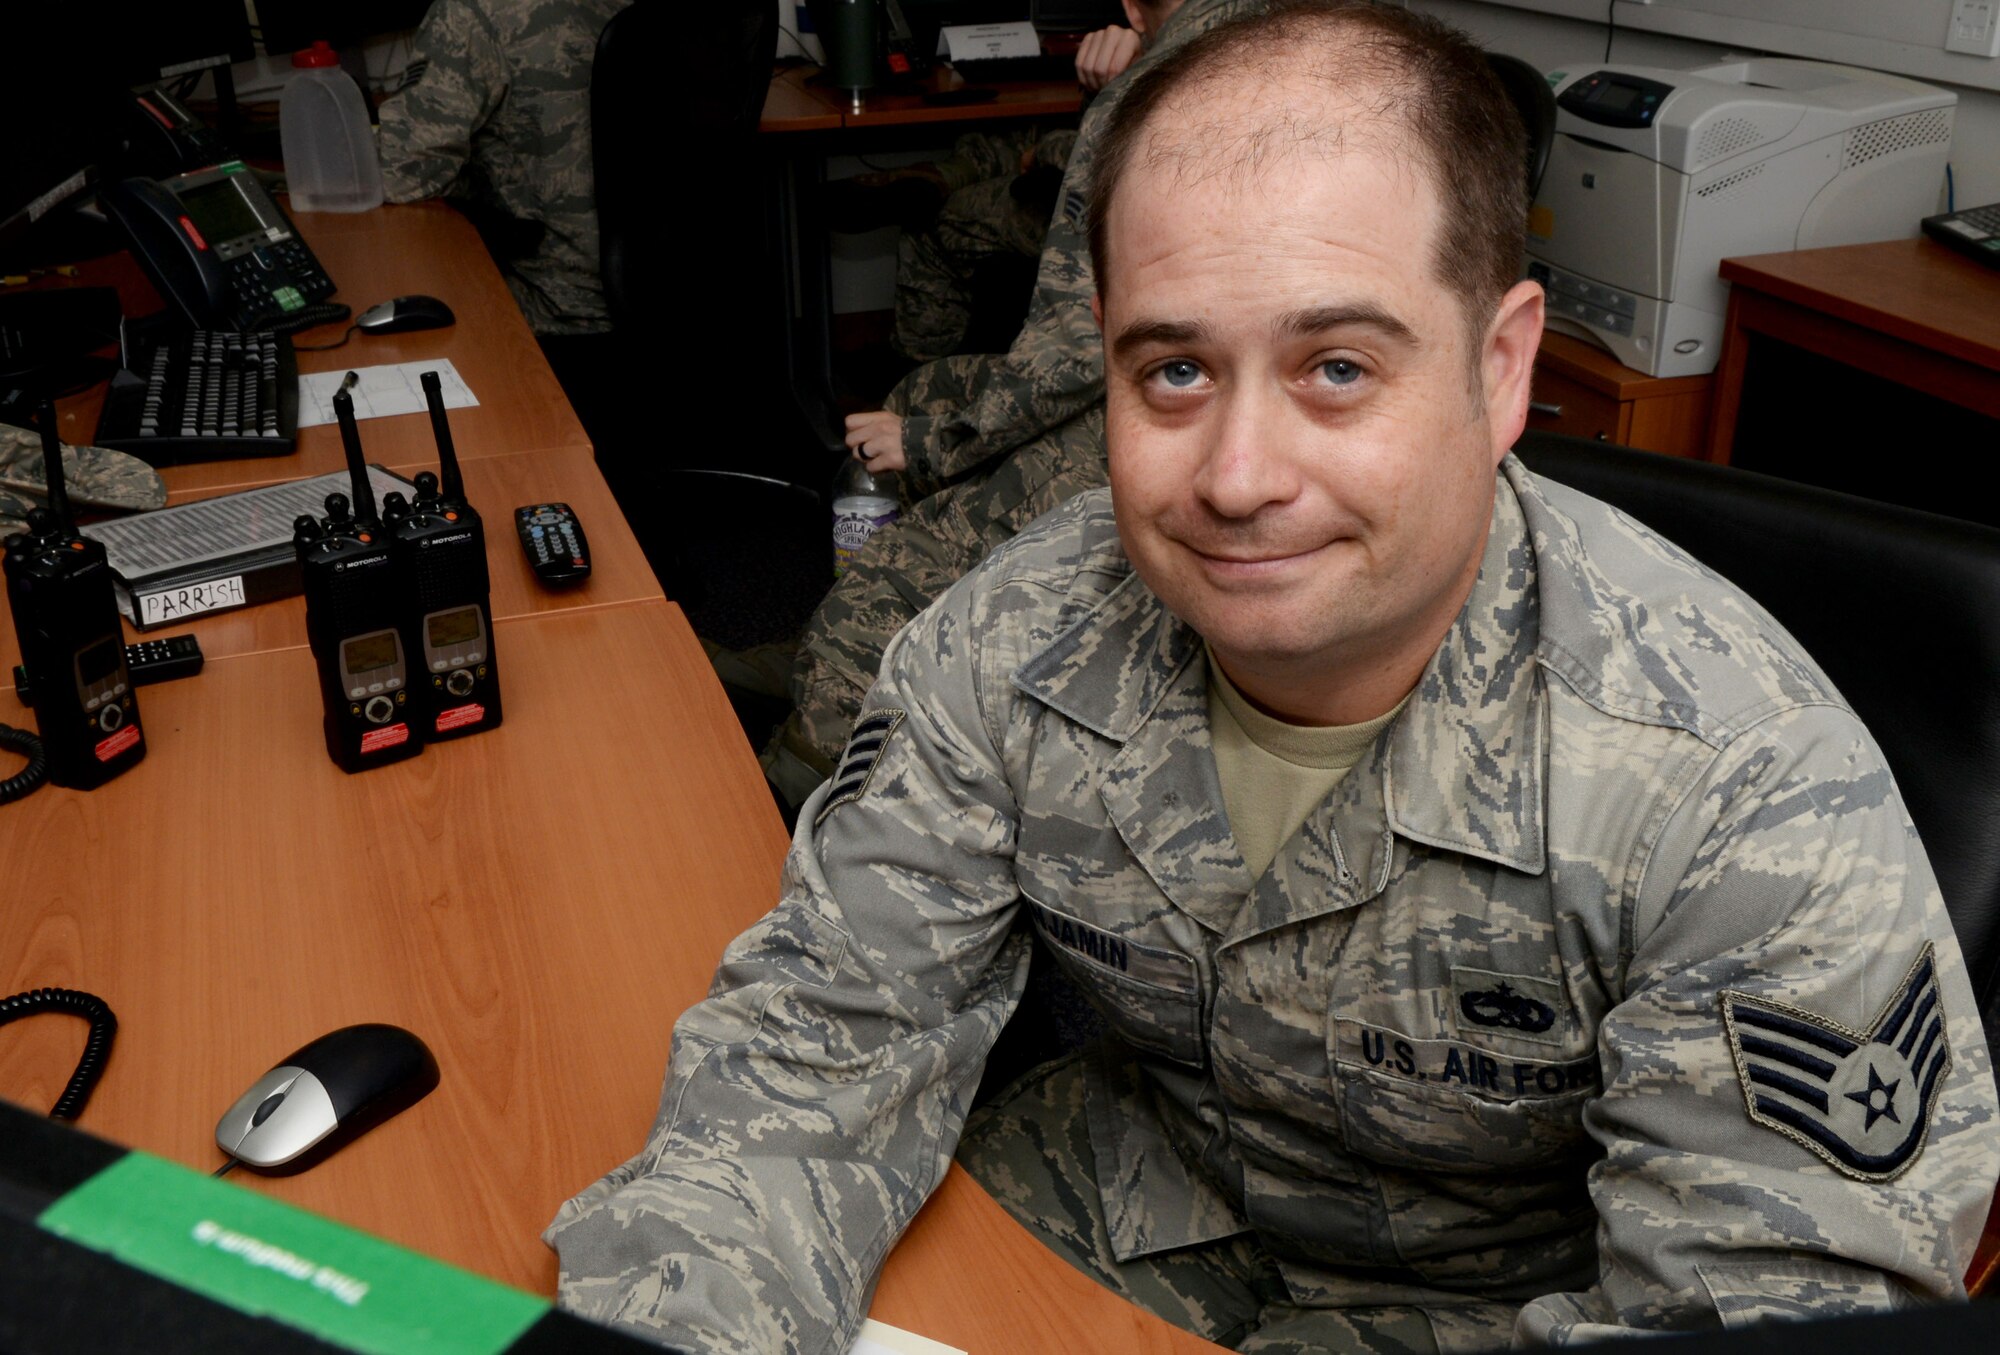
point(1248, 465)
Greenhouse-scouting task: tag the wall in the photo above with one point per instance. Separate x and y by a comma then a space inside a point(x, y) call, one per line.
point(1552, 43)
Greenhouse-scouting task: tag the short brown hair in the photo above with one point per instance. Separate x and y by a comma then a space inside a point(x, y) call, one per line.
point(1423, 75)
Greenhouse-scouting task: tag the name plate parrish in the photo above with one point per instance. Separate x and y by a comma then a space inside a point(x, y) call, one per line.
point(176, 604)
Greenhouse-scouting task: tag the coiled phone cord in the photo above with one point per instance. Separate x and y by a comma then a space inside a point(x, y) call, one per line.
point(30, 776)
point(96, 1049)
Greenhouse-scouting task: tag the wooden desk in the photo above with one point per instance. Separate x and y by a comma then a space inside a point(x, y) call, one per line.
point(496, 485)
point(800, 100)
point(1585, 392)
point(372, 256)
point(1908, 310)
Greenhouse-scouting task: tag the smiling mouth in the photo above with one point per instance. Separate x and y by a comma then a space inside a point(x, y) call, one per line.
point(1252, 562)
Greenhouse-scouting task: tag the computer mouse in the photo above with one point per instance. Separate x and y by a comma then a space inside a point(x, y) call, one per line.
point(405, 313)
point(347, 1080)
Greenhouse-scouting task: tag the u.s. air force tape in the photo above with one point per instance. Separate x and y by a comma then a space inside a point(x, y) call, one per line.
point(857, 761)
point(1862, 1100)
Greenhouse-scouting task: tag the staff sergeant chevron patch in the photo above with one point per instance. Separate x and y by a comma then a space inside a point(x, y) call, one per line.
point(1861, 1100)
point(857, 760)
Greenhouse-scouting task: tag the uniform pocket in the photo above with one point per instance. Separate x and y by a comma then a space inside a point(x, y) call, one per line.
point(1150, 996)
point(1417, 1127)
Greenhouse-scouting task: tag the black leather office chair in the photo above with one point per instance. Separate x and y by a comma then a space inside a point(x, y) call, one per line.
point(718, 472)
point(1536, 103)
point(1902, 610)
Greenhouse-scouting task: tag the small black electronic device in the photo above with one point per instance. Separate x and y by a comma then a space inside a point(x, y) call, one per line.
point(162, 137)
point(554, 542)
point(149, 661)
point(221, 251)
point(65, 606)
point(439, 546)
point(347, 1080)
point(201, 395)
point(1974, 232)
point(405, 313)
point(353, 610)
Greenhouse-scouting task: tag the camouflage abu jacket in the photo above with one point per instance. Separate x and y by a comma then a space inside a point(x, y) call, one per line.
point(1614, 982)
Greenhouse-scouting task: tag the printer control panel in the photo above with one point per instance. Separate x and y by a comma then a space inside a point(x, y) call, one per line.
point(1615, 99)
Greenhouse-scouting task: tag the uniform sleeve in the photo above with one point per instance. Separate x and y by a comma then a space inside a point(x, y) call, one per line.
point(959, 413)
point(1798, 1114)
point(813, 1101)
point(426, 131)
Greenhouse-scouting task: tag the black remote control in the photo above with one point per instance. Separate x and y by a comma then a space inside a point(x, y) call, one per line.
point(176, 656)
point(554, 542)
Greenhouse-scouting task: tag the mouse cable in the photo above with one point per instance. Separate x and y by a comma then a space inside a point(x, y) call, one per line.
point(321, 313)
point(340, 342)
point(29, 777)
point(96, 1049)
point(226, 1168)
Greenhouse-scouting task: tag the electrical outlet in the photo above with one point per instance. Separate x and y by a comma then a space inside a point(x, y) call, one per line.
point(1975, 28)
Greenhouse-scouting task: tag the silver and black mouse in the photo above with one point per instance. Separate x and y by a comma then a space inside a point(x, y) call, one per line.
point(347, 1080)
point(405, 313)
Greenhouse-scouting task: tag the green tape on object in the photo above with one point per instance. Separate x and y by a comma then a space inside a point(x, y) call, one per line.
point(271, 1260)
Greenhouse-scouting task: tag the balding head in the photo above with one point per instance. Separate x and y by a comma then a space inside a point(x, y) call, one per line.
point(1306, 79)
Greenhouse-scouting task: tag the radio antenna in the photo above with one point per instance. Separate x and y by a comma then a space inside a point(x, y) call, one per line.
point(52, 468)
point(452, 486)
point(357, 469)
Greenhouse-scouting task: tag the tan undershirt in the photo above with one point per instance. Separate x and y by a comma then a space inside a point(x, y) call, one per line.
point(1274, 774)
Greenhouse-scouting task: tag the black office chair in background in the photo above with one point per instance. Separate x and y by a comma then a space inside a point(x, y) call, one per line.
point(713, 462)
point(1529, 90)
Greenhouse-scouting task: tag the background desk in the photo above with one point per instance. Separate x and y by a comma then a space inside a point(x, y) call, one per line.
point(1908, 310)
point(539, 902)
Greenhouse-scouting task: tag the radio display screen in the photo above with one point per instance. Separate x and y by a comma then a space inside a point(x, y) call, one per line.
point(369, 652)
point(98, 662)
point(447, 629)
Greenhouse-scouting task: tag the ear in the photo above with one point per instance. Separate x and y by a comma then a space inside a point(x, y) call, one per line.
point(1507, 365)
point(1136, 17)
point(1097, 310)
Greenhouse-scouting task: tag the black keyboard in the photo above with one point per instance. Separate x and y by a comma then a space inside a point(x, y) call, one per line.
point(1974, 232)
point(202, 395)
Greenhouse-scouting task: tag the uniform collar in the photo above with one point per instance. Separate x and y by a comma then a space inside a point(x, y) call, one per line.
point(1462, 767)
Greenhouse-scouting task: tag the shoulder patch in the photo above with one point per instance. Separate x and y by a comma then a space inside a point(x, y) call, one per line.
point(1862, 1100)
point(857, 761)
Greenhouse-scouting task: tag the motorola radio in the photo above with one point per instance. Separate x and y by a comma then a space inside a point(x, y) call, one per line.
point(353, 605)
point(66, 619)
point(439, 544)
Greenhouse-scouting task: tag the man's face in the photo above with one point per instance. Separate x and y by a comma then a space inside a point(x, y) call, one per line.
point(1301, 451)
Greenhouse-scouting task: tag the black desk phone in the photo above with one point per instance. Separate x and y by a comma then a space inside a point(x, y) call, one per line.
point(221, 250)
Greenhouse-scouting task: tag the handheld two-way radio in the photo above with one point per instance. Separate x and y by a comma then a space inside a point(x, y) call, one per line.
point(66, 618)
point(440, 550)
point(353, 605)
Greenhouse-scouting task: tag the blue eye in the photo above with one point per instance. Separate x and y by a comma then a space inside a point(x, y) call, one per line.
point(1341, 372)
point(1180, 373)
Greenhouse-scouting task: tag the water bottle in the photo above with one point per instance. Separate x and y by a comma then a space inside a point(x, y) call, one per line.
point(329, 148)
point(862, 505)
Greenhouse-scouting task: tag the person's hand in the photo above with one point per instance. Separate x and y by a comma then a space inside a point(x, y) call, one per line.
point(1104, 56)
point(1028, 159)
point(877, 440)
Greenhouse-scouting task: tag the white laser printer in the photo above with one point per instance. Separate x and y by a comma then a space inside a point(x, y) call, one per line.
point(1658, 175)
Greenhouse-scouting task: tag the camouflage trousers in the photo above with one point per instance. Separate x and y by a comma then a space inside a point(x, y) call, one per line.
point(934, 267)
point(898, 573)
point(1030, 1149)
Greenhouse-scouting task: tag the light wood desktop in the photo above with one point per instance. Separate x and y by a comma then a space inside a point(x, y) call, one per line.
point(539, 902)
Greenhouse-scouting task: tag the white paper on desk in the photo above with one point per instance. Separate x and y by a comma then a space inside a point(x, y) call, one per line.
point(879, 1338)
point(394, 389)
point(983, 42)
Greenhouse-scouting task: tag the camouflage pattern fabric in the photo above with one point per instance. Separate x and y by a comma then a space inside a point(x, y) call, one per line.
point(995, 439)
point(95, 477)
point(980, 220)
point(501, 117)
point(1468, 1035)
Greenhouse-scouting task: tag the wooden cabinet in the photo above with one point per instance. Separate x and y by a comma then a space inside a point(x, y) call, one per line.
point(1583, 391)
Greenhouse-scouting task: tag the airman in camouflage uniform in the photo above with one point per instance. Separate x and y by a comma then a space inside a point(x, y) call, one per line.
point(94, 477)
point(992, 442)
point(500, 117)
point(1610, 989)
